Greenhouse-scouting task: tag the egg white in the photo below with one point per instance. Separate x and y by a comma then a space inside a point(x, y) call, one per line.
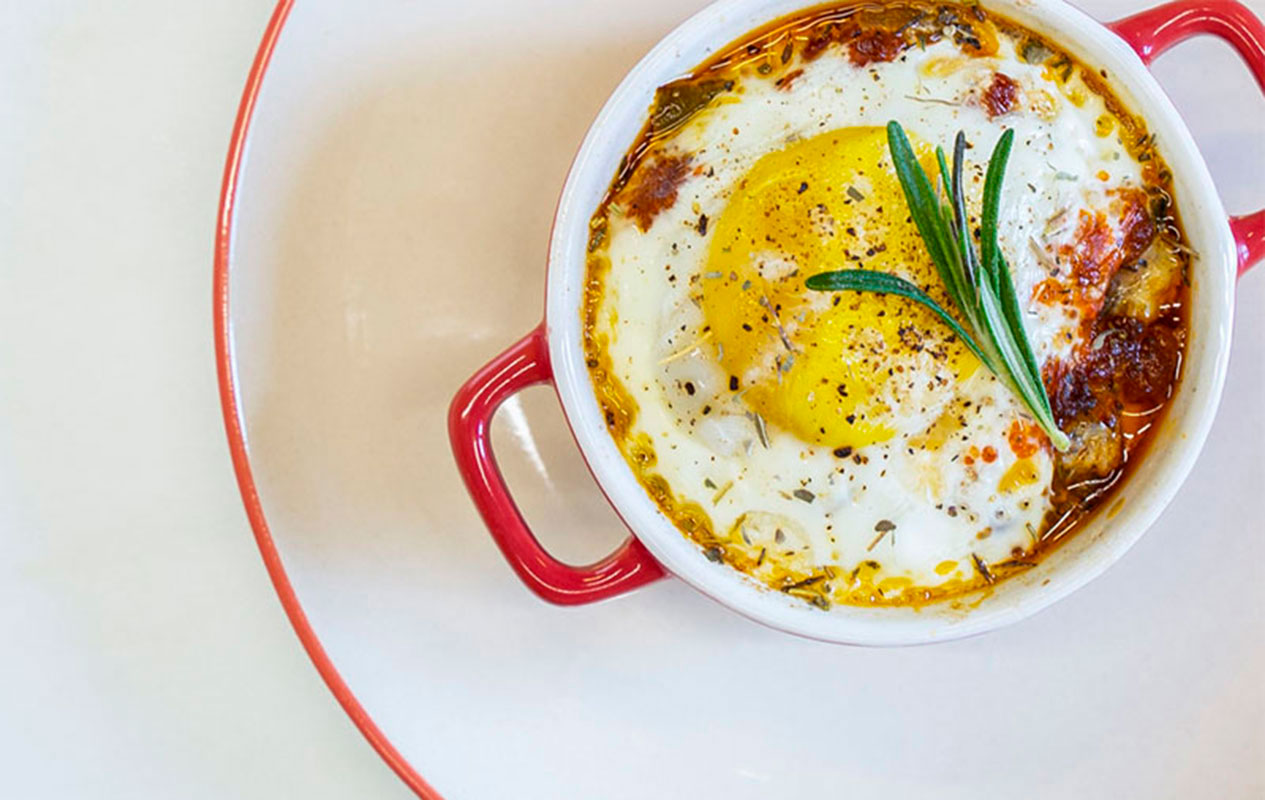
point(925, 515)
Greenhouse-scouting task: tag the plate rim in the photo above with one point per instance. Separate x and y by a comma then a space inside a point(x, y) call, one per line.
point(235, 428)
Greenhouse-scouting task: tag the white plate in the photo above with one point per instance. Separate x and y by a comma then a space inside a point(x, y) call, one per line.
point(390, 229)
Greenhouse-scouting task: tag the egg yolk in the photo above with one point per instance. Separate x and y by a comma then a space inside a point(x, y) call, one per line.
point(831, 368)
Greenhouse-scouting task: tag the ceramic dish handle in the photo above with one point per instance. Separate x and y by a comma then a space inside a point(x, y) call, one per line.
point(527, 364)
point(1152, 32)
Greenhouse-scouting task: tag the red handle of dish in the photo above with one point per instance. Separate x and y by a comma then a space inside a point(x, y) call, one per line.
point(1152, 32)
point(526, 364)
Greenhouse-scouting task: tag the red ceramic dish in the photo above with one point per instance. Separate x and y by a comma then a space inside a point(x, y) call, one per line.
point(545, 354)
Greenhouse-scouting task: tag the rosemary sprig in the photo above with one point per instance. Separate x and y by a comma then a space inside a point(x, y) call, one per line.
point(979, 283)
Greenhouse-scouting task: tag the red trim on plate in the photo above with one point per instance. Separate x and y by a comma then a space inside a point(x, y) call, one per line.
point(524, 364)
point(1155, 30)
point(236, 430)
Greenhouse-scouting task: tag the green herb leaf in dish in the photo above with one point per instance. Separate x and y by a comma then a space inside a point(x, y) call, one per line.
point(979, 283)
